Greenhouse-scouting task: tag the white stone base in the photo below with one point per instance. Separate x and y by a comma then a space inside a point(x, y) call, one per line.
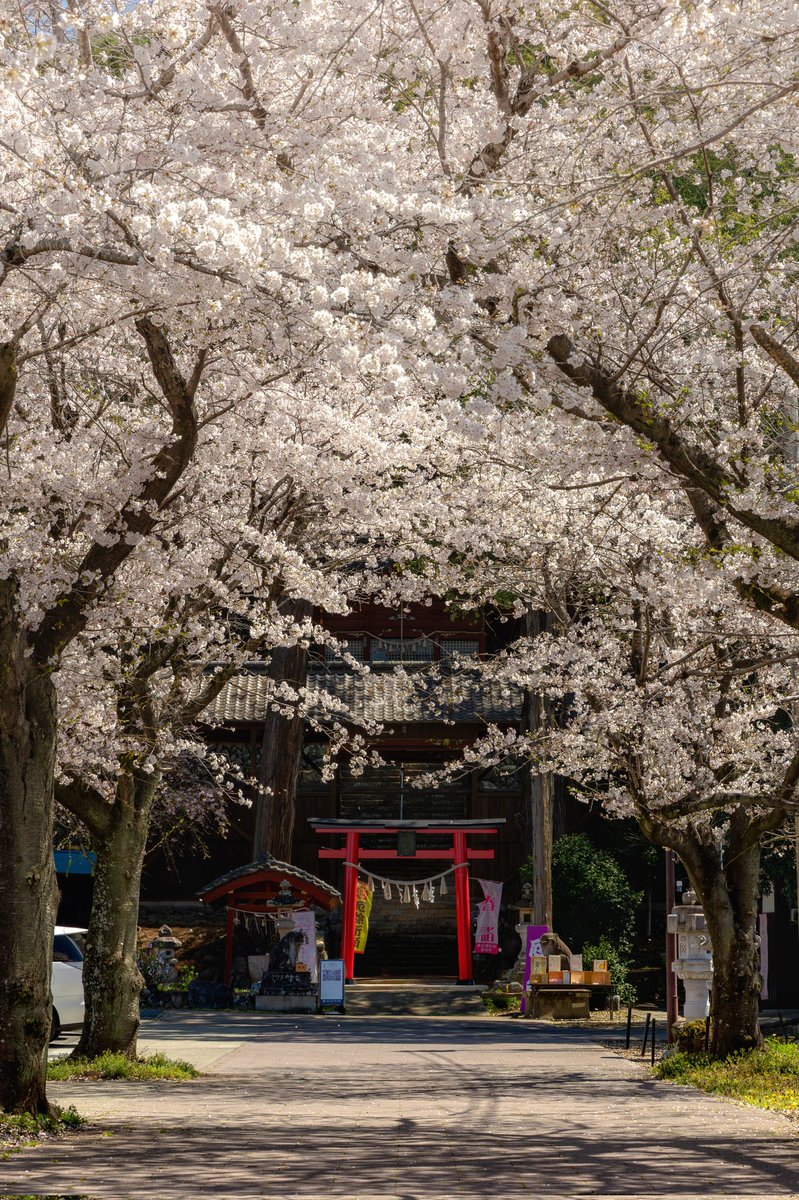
point(697, 1003)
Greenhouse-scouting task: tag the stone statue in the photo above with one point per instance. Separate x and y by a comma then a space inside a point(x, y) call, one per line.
point(284, 954)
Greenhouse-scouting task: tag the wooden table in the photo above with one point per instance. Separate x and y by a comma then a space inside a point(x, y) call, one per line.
point(575, 1000)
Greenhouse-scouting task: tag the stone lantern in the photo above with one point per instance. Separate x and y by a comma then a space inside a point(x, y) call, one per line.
point(694, 962)
point(165, 946)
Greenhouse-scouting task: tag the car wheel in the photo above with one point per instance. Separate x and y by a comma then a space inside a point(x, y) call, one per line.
point(55, 1027)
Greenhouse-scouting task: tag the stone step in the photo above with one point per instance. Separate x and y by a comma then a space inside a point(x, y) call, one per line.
point(407, 997)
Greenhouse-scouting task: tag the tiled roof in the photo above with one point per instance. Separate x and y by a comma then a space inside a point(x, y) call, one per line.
point(268, 863)
point(384, 695)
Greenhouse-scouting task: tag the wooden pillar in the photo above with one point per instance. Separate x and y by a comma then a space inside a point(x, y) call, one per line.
point(464, 909)
point(538, 790)
point(350, 900)
point(231, 917)
point(672, 999)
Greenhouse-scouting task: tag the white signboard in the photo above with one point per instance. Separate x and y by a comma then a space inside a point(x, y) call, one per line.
point(331, 981)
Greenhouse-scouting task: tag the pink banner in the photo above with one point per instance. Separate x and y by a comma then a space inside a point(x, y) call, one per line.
point(486, 939)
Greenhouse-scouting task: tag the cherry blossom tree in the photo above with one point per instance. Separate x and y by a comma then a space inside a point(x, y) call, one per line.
point(218, 590)
point(673, 702)
point(438, 215)
point(153, 290)
point(675, 717)
point(619, 244)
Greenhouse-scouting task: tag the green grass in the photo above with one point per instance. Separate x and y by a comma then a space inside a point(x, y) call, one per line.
point(768, 1078)
point(118, 1066)
point(23, 1129)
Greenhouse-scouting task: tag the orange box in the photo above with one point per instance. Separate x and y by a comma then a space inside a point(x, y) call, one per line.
point(555, 977)
point(580, 976)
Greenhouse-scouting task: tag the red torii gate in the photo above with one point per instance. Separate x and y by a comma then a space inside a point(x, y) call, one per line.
point(458, 852)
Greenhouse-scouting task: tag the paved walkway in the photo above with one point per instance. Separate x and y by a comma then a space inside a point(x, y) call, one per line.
point(404, 1109)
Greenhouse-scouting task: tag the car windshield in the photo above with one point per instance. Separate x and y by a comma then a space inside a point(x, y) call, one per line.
point(65, 950)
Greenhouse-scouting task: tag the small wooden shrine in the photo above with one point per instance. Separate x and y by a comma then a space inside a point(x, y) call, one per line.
point(265, 887)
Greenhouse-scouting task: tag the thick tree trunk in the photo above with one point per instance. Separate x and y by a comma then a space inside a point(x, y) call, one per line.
point(538, 794)
point(281, 751)
point(538, 791)
point(726, 879)
point(111, 975)
point(28, 730)
point(729, 892)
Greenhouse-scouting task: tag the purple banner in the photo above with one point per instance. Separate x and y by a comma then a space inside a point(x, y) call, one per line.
point(532, 949)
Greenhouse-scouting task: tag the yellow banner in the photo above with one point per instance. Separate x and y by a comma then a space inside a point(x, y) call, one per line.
point(363, 907)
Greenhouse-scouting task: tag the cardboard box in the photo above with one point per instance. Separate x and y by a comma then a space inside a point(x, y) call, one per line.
point(567, 976)
point(555, 963)
point(538, 965)
point(580, 976)
point(575, 962)
point(598, 978)
point(555, 977)
point(600, 964)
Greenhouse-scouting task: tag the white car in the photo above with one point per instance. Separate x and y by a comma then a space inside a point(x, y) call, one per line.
point(67, 980)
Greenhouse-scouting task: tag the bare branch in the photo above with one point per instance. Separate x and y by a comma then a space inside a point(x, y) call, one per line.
point(8, 381)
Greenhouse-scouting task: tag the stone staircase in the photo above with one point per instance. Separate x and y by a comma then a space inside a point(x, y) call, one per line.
point(413, 998)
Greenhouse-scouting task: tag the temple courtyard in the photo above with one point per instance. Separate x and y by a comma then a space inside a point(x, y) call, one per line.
point(402, 1108)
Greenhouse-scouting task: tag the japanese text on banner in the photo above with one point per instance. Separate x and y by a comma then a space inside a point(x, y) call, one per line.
point(486, 938)
point(363, 907)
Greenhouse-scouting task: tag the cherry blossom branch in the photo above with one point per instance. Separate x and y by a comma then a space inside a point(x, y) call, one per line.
point(488, 158)
point(86, 803)
point(689, 461)
point(138, 516)
point(222, 14)
point(776, 352)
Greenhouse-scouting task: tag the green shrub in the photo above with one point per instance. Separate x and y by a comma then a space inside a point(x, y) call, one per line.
point(768, 1078)
point(496, 1002)
point(593, 899)
point(187, 973)
point(22, 1129)
point(690, 1037)
point(617, 965)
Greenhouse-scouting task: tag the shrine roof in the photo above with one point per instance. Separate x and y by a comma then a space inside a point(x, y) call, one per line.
point(269, 868)
point(386, 695)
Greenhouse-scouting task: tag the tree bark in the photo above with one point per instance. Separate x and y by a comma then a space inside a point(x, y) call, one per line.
point(28, 731)
point(538, 794)
point(726, 879)
point(281, 750)
point(111, 974)
point(728, 889)
point(538, 791)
